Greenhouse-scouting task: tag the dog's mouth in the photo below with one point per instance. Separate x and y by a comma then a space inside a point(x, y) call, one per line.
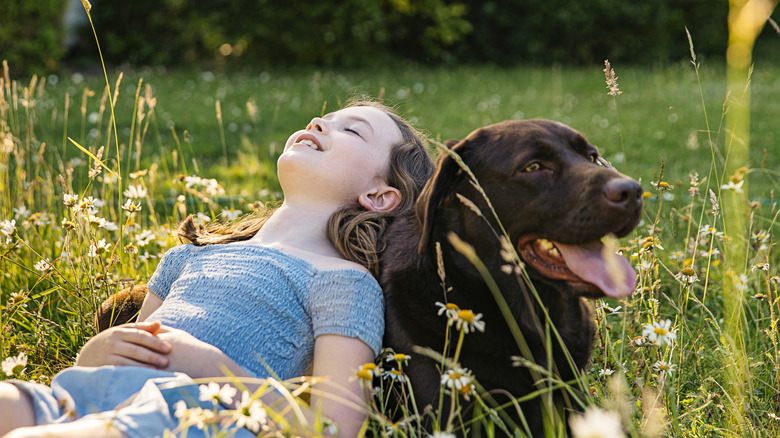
point(589, 269)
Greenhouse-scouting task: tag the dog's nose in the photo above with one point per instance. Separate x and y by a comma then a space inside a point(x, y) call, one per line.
point(622, 191)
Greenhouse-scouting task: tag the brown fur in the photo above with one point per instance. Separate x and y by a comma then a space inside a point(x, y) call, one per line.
point(581, 200)
point(120, 308)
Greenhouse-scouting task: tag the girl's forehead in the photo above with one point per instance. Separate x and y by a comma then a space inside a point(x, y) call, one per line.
point(366, 113)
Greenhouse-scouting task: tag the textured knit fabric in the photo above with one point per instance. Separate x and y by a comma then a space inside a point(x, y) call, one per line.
point(262, 307)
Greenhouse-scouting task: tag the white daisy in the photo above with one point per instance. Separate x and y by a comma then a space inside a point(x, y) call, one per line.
point(595, 423)
point(15, 365)
point(659, 332)
point(250, 414)
point(213, 392)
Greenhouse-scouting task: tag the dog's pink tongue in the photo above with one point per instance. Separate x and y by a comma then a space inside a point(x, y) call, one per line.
point(609, 271)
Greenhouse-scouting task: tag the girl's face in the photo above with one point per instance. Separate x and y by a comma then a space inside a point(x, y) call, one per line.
point(339, 157)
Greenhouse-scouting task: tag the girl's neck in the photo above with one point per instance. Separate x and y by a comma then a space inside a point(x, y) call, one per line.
point(295, 228)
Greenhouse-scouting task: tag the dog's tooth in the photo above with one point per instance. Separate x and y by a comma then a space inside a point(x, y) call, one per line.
point(545, 244)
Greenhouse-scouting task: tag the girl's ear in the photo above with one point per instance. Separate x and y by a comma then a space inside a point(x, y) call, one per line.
point(384, 199)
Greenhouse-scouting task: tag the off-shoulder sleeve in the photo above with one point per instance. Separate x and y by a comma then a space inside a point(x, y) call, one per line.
point(348, 303)
point(168, 270)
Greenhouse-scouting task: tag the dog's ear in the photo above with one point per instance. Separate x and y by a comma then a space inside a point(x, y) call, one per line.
point(447, 172)
point(451, 143)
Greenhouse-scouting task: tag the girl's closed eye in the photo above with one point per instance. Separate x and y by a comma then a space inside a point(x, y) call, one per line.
point(353, 131)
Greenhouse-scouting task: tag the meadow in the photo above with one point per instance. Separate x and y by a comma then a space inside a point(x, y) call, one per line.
point(205, 143)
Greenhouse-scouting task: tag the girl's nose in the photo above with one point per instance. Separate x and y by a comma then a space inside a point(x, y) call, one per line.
point(319, 125)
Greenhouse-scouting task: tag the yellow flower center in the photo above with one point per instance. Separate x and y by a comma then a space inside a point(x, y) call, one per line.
point(396, 372)
point(400, 357)
point(365, 375)
point(688, 271)
point(659, 331)
point(466, 315)
point(451, 306)
point(455, 375)
point(369, 366)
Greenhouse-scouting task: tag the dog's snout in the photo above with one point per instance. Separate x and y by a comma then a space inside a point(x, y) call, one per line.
point(622, 191)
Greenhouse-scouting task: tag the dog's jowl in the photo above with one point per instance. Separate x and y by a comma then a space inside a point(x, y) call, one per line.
point(556, 199)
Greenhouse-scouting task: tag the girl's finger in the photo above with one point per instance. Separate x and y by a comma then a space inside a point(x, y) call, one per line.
point(144, 355)
point(148, 340)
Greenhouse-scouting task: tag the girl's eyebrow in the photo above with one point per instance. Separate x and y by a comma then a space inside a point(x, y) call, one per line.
point(353, 118)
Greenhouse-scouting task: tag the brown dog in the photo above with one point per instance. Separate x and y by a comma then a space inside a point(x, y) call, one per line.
point(556, 200)
point(120, 308)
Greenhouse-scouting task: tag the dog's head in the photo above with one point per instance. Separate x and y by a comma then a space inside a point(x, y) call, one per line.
point(553, 193)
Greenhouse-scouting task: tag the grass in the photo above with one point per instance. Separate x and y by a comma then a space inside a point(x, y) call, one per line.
point(196, 159)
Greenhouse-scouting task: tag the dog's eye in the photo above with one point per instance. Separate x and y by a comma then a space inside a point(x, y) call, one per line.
point(533, 167)
point(594, 158)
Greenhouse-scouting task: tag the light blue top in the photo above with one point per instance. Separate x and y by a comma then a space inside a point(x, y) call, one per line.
point(262, 307)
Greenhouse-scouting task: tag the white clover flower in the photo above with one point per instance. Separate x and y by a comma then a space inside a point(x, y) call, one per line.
point(596, 423)
point(250, 414)
point(135, 192)
point(43, 266)
point(469, 321)
point(659, 332)
point(15, 366)
point(70, 200)
point(665, 368)
point(217, 394)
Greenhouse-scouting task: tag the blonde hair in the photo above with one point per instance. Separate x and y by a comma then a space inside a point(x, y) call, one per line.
point(358, 234)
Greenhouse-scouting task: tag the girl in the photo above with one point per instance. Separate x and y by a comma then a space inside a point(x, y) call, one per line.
point(283, 296)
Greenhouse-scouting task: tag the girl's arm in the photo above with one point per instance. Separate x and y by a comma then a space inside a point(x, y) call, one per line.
point(341, 397)
point(336, 358)
point(129, 344)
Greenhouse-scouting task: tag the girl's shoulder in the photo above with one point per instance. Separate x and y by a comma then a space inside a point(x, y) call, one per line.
point(337, 264)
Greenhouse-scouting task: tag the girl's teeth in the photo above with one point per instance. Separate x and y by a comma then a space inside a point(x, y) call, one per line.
point(310, 144)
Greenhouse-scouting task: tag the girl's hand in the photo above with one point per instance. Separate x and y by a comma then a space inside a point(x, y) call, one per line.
point(135, 344)
point(194, 357)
